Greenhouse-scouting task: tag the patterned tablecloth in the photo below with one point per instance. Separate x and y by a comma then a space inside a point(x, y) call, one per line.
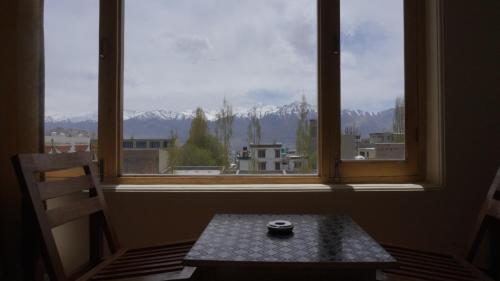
point(330, 240)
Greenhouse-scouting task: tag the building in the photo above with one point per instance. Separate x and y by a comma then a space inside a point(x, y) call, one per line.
point(61, 143)
point(261, 158)
point(198, 170)
point(387, 137)
point(145, 156)
point(271, 159)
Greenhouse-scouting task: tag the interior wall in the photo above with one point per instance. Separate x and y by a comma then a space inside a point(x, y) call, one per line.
point(21, 89)
point(438, 220)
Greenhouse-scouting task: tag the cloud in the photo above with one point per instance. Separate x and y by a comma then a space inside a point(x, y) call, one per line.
point(185, 53)
point(193, 48)
point(268, 95)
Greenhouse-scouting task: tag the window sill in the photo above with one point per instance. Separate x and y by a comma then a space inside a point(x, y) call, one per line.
point(408, 187)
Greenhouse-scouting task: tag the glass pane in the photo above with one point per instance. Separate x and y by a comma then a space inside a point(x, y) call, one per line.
point(372, 77)
point(224, 83)
point(71, 75)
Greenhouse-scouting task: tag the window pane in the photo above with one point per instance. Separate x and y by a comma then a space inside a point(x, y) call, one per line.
point(372, 77)
point(225, 83)
point(71, 67)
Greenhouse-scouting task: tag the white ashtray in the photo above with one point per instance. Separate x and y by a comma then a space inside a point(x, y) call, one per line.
point(280, 226)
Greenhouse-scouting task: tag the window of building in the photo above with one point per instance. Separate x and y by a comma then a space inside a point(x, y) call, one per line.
point(350, 67)
point(277, 153)
point(154, 144)
point(261, 153)
point(128, 144)
point(277, 166)
point(141, 144)
point(262, 166)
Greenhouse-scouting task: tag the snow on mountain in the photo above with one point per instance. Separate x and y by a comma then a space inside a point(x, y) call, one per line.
point(211, 115)
point(92, 116)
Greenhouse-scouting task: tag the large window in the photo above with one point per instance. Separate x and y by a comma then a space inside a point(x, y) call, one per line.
point(275, 91)
point(214, 77)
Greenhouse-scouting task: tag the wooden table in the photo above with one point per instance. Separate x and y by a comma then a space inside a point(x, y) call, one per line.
point(321, 247)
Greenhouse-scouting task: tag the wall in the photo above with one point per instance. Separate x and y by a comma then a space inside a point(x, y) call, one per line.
point(438, 220)
point(21, 89)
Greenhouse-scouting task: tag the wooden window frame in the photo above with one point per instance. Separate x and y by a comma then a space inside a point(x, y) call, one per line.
point(330, 168)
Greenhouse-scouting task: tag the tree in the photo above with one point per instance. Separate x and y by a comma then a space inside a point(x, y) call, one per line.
point(398, 123)
point(199, 128)
point(224, 128)
point(201, 148)
point(303, 135)
point(254, 133)
point(173, 152)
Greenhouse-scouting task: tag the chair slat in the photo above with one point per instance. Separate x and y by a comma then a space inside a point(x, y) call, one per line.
point(156, 254)
point(54, 162)
point(145, 261)
point(174, 249)
point(423, 275)
point(148, 259)
point(165, 264)
point(137, 273)
point(423, 262)
point(73, 211)
point(53, 189)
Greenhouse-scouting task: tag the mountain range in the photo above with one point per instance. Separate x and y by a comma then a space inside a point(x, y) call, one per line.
point(278, 123)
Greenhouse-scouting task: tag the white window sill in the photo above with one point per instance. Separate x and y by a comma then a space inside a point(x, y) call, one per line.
point(272, 188)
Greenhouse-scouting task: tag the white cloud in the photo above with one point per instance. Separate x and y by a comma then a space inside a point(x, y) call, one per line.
point(185, 53)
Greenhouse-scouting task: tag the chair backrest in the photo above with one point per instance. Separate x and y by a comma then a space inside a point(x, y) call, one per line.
point(30, 169)
point(489, 215)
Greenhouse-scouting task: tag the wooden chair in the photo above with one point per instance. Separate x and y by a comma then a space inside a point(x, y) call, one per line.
point(154, 263)
point(423, 265)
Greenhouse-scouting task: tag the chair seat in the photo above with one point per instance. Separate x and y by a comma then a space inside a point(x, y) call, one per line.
point(152, 263)
point(421, 265)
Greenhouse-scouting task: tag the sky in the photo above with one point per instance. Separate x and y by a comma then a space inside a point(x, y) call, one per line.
point(180, 54)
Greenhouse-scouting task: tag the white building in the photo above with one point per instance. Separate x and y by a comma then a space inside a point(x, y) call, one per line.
point(270, 159)
point(261, 158)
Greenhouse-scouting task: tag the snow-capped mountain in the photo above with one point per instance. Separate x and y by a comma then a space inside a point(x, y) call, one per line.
point(278, 123)
point(211, 115)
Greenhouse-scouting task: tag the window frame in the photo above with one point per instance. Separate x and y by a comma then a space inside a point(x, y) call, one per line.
point(330, 168)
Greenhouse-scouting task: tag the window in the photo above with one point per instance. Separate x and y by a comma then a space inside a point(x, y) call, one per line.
point(71, 76)
point(357, 59)
point(277, 166)
point(277, 153)
point(141, 144)
point(154, 144)
point(128, 144)
point(262, 166)
point(262, 153)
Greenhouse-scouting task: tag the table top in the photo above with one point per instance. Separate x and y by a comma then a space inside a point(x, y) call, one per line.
point(317, 240)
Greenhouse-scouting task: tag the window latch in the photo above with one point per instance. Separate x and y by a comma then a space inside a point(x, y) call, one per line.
point(336, 170)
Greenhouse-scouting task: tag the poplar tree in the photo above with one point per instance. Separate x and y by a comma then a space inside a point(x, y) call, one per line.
point(303, 135)
point(398, 123)
point(224, 128)
point(254, 129)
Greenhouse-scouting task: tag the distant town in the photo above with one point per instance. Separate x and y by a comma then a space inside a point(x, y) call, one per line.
point(207, 148)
